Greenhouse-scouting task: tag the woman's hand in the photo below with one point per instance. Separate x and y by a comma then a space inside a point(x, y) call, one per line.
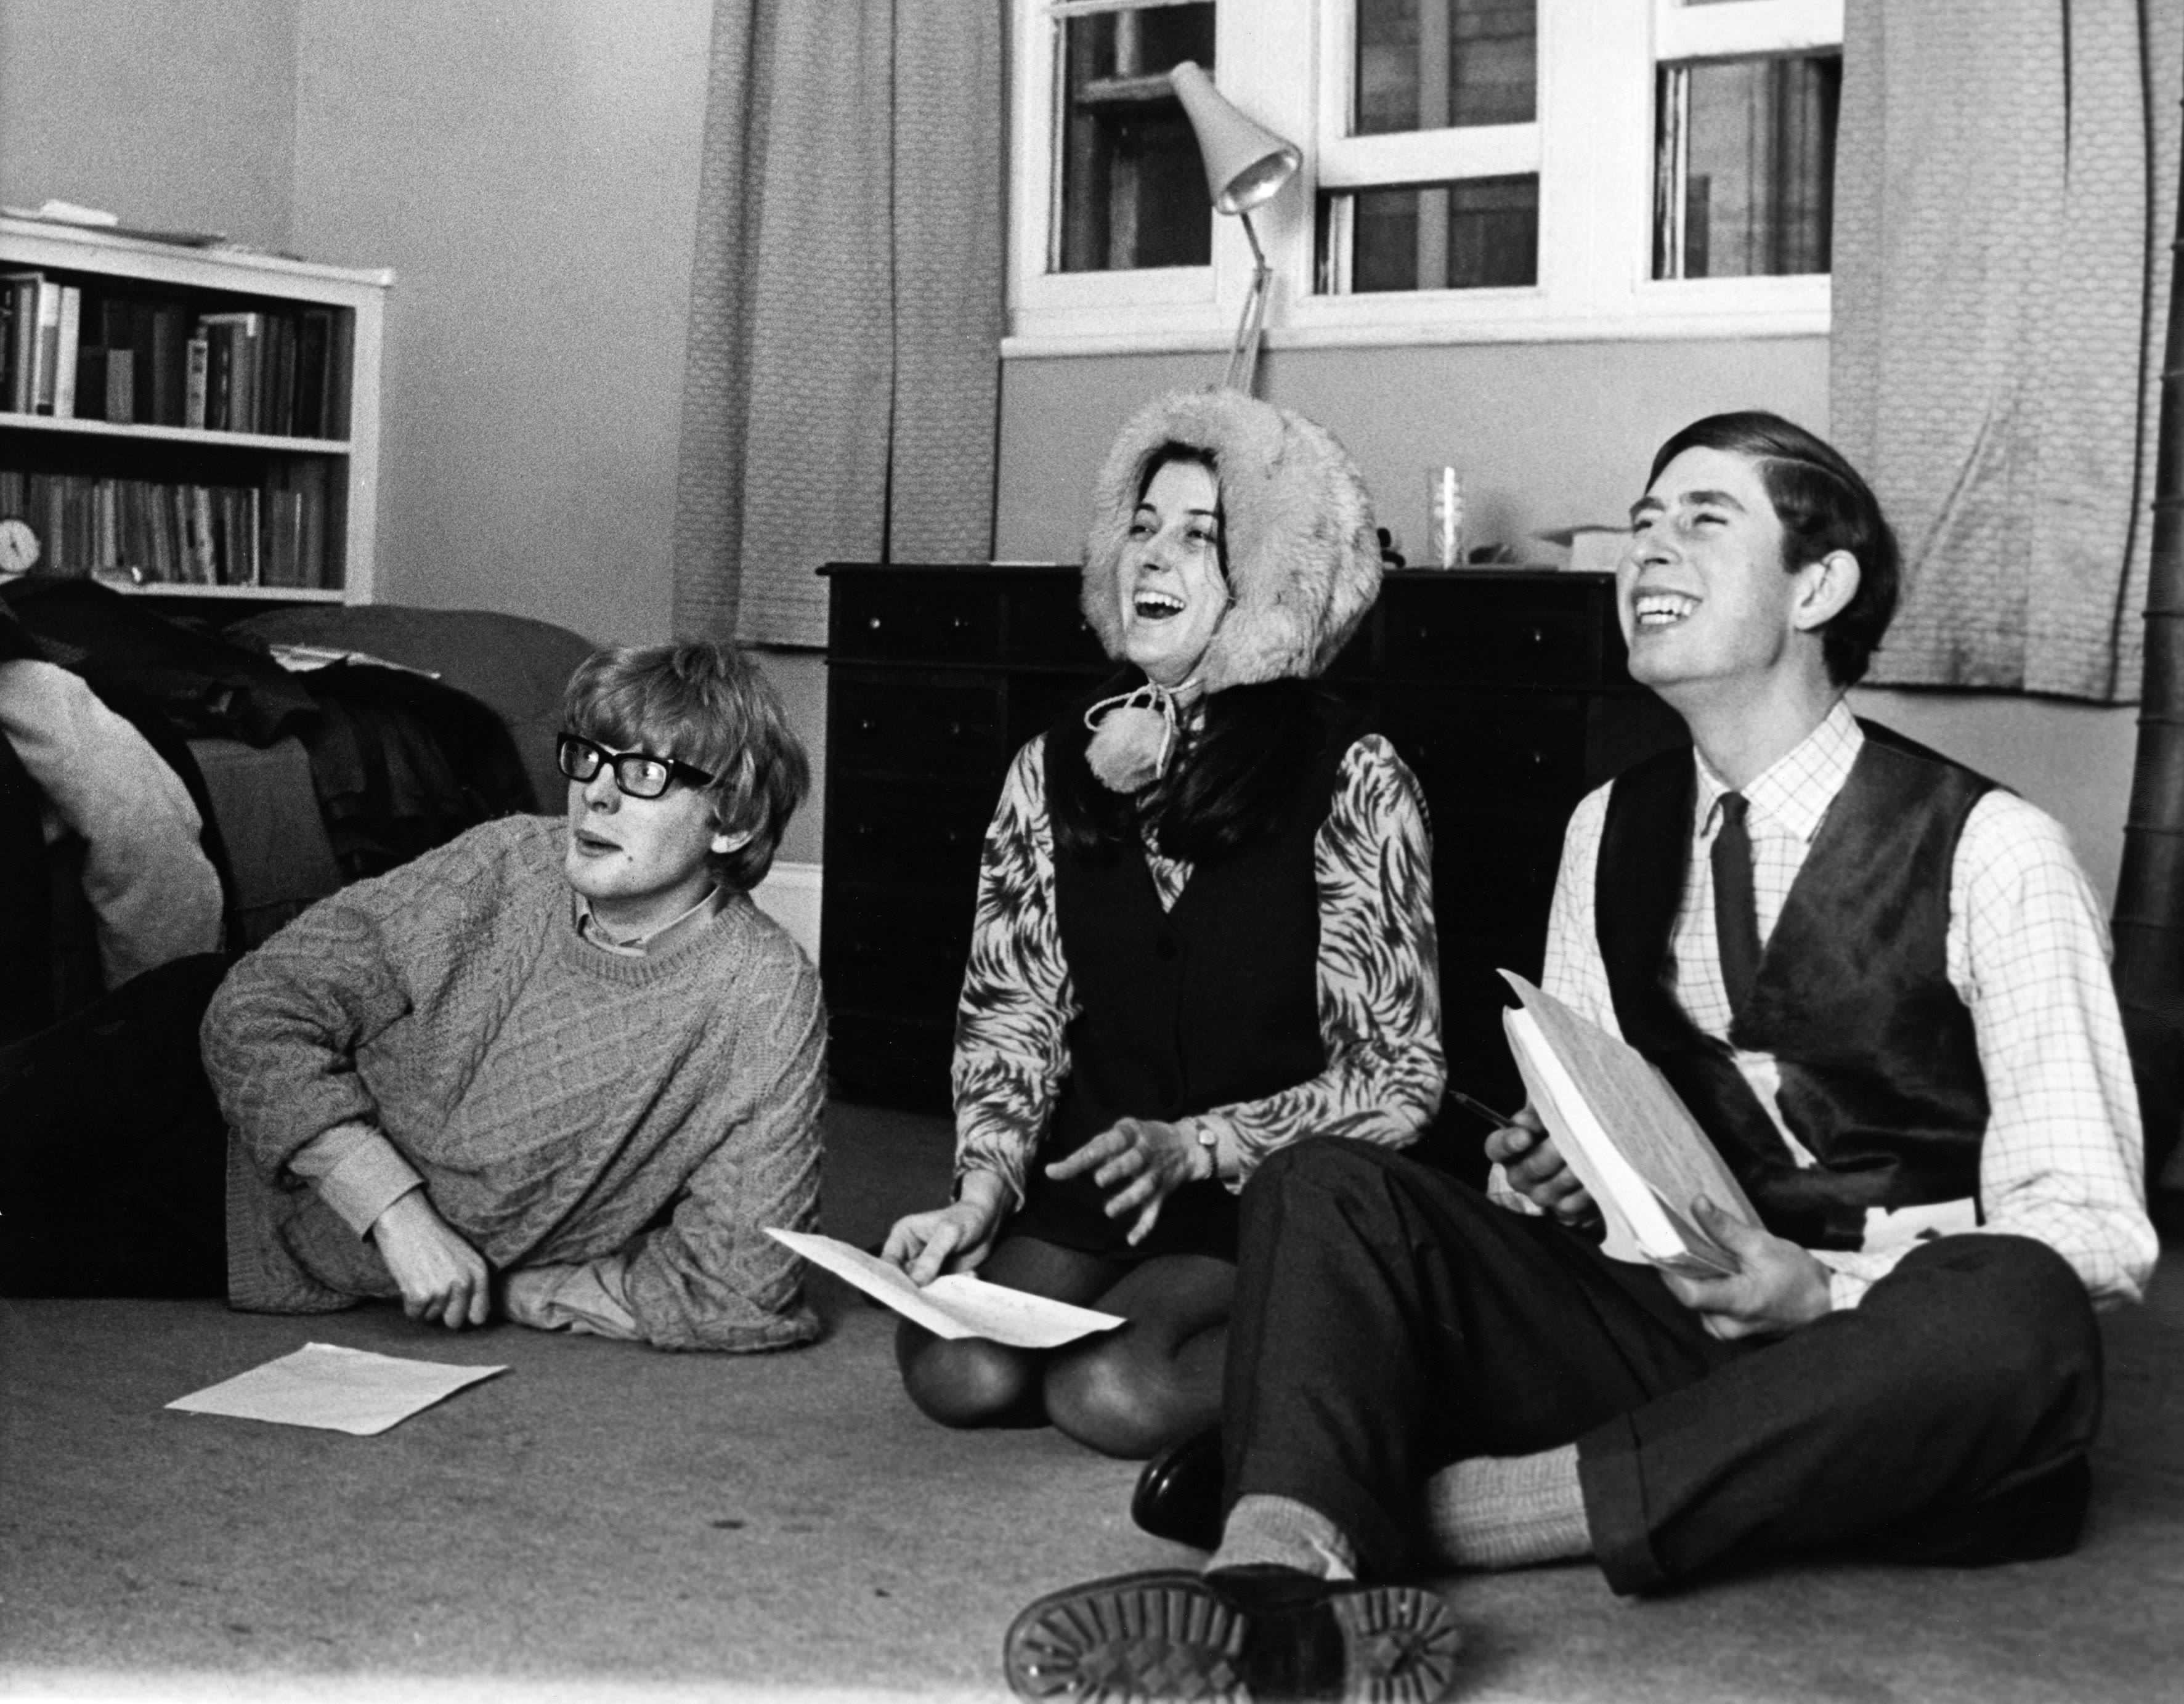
point(1140, 1161)
point(1527, 1156)
point(958, 1236)
point(443, 1280)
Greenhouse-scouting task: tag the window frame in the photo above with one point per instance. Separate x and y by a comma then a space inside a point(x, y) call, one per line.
point(1592, 142)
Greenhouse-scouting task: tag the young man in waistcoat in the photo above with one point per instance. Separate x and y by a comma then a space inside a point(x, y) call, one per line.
point(1880, 982)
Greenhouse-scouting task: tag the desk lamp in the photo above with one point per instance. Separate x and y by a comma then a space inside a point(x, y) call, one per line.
point(1246, 163)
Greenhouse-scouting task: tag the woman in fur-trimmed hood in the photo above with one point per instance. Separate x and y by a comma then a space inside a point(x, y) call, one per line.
point(1204, 931)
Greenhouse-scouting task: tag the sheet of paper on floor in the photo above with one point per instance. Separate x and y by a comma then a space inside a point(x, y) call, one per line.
point(340, 1390)
point(954, 1305)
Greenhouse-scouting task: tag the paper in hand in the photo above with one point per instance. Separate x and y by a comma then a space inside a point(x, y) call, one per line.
point(1632, 1143)
point(339, 1390)
point(954, 1305)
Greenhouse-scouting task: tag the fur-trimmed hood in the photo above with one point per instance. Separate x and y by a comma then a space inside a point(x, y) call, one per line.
point(1304, 560)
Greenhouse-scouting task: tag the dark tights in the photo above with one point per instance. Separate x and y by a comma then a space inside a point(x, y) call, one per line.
point(1130, 1392)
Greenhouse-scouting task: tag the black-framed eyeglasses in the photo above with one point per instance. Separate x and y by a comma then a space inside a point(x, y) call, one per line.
point(637, 773)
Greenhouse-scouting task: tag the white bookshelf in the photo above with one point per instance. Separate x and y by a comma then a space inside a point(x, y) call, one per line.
point(216, 280)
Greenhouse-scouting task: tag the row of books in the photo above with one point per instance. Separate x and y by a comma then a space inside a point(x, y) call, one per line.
point(153, 534)
point(87, 352)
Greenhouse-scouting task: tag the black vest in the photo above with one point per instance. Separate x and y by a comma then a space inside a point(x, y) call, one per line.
point(1214, 1002)
point(1880, 1075)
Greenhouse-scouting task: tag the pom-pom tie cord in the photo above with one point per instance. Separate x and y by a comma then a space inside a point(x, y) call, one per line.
point(1134, 735)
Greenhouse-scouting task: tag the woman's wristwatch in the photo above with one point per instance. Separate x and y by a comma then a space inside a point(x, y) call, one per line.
point(1207, 1139)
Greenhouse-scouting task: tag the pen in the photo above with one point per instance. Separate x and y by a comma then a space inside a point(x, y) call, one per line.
point(1471, 1104)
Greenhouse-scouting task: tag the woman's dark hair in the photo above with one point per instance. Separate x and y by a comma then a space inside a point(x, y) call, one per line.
point(1230, 778)
point(1823, 506)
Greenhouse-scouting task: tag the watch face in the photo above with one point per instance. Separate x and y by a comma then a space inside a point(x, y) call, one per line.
point(19, 547)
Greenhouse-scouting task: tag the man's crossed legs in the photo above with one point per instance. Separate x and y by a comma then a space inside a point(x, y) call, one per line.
point(1394, 1330)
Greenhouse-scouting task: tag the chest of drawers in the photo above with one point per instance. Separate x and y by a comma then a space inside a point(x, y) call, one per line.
point(1505, 690)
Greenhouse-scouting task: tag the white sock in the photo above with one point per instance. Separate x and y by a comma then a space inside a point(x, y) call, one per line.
point(1286, 1534)
point(1508, 1510)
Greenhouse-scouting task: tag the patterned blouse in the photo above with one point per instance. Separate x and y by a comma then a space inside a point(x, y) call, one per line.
point(1378, 979)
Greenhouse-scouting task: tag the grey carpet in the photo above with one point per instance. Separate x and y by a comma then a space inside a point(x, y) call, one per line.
point(605, 1521)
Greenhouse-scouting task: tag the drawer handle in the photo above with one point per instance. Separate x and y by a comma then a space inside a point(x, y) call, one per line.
point(962, 624)
point(871, 624)
point(1538, 636)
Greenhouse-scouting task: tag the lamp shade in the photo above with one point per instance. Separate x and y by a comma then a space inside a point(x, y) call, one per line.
point(1245, 162)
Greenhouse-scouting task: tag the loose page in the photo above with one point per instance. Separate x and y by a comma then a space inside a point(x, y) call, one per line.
point(337, 1390)
point(1630, 1139)
point(954, 1305)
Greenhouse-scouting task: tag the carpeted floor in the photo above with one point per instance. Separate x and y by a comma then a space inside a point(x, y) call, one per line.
point(603, 1521)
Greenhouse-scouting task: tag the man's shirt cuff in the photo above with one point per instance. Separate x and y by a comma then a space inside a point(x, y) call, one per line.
point(357, 1171)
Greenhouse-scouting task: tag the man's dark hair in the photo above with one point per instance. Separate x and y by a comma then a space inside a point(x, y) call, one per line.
point(1823, 506)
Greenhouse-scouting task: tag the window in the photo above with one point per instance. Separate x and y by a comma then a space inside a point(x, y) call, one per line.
point(1744, 163)
point(1458, 81)
point(1475, 169)
point(1132, 190)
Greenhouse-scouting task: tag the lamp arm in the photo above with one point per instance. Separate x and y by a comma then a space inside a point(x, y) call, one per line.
point(1251, 326)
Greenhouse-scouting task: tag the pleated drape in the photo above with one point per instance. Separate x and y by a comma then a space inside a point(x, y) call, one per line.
point(2005, 173)
point(846, 305)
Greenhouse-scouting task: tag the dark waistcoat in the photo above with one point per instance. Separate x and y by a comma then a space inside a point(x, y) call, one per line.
point(1214, 1002)
point(1880, 1075)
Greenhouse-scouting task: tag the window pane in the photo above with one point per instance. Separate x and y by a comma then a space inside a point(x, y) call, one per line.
point(1133, 190)
point(1745, 171)
point(1426, 65)
point(1478, 234)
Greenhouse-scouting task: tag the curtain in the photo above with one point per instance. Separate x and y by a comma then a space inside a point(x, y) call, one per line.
point(840, 397)
point(2005, 186)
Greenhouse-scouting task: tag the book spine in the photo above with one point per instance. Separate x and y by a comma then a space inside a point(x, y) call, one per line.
point(197, 366)
point(220, 379)
point(120, 385)
point(311, 546)
point(250, 363)
point(68, 332)
point(90, 382)
point(48, 314)
point(163, 379)
point(201, 543)
point(341, 354)
point(313, 344)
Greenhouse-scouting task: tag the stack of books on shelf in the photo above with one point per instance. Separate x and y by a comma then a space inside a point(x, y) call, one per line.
point(91, 353)
point(145, 533)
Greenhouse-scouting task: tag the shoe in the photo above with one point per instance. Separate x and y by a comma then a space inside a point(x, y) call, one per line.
point(1179, 1495)
point(1246, 1635)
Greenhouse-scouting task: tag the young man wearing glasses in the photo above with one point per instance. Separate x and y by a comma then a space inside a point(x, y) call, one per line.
point(561, 1069)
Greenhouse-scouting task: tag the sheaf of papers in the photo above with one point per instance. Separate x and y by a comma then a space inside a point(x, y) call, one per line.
point(1632, 1143)
point(954, 1304)
point(340, 1390)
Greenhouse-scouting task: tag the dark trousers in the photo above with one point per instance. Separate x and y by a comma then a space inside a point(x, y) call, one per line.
point(1389, 1320)
point(113, 1152)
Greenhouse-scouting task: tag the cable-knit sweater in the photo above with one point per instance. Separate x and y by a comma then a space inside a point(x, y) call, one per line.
point(562, 1103)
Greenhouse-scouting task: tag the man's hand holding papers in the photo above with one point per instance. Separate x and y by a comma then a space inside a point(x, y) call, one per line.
point(1776, 1287)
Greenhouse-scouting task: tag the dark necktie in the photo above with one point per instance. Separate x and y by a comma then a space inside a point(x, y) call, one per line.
point(1736, 920)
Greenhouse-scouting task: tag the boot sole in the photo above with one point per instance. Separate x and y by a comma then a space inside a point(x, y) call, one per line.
point(1170, 1637)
